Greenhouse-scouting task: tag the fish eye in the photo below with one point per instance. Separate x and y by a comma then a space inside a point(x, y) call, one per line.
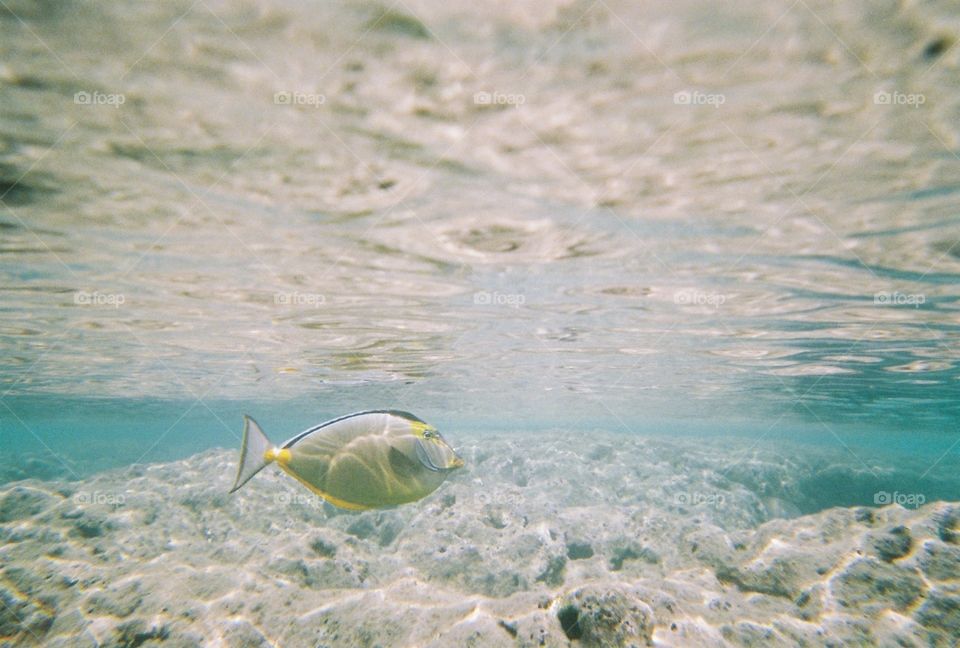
point(430, 434)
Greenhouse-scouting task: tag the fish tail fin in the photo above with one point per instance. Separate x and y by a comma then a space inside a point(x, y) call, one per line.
point(254, 455)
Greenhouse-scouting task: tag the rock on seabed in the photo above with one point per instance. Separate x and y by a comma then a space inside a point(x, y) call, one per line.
point(633, 542)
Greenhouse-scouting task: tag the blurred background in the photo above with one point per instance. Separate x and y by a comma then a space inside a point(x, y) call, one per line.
point(699, 217)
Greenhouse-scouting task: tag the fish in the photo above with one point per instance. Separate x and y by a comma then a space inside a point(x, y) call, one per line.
point(366, 460)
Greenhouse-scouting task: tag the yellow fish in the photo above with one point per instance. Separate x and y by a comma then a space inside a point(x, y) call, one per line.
point(360, 461)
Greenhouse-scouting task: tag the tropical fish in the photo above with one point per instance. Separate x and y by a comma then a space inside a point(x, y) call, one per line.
point(360, 461)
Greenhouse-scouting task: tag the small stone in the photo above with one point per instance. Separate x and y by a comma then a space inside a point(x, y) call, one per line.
point(495, 519)
point(243, 634)
point(119, 601)
point(940, 561)
point(21, 616)
point(872, 587)
point(632, 552)
point(779, 578)
point(936, 47)
point(21, 502)
point(89, 526)
point(864, 516)
point(72, 623)
point(135, 632)
point(600, 452)
point(948, 526)
point(892, 544)
point(941, 612)
point(509, 626)
point(363, 527)
point(384, 527)
point(606, 618)
point(323, 548)
point(395, 22)
point(552, 574)
point(569, 617)
point(748, 633)
point(579, 550)
point(390, 527)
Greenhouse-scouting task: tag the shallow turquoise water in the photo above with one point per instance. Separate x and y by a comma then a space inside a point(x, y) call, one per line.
point(781, 266)
point(77, 438)
point(679, 281)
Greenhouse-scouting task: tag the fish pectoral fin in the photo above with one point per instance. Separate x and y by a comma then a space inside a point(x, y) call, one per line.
point(402, 465)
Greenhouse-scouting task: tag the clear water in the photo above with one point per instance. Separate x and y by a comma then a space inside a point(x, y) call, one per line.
point(775, 259)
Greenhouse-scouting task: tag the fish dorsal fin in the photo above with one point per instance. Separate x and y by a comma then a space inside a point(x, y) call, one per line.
point(405, 415)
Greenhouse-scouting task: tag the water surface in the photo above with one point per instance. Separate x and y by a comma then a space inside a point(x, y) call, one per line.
point(532, 216)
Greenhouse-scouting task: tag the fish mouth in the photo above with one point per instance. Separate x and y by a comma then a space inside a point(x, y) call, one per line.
point(457, 462)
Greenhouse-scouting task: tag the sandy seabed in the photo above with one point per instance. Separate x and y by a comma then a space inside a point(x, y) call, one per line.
point(593, 540)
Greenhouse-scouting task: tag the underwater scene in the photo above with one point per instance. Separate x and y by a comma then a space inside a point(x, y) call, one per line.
point(512, 323)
